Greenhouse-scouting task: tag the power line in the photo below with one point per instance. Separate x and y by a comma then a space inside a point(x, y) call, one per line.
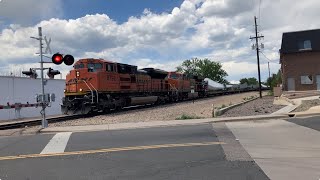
point(265, 56)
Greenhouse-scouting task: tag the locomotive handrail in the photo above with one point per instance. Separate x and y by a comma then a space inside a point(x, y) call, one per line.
point(90, 90)
point(173, 87)
point(96, 92)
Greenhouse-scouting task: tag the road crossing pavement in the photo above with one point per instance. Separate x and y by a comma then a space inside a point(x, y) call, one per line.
point(179, 152)
point(276, 149)
point(57, 144)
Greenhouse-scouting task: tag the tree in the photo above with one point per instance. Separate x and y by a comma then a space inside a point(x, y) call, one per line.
point(204, 68)
point(252, 81)
point(243, 81)
point(274, 80)
point(249, 81)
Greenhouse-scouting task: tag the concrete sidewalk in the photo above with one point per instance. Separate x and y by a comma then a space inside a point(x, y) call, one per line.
point(137, 125)
point(312, 112)
point(282, 149)
point(293, 104)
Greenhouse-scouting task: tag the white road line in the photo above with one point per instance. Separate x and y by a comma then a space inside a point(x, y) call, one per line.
point(57, 144)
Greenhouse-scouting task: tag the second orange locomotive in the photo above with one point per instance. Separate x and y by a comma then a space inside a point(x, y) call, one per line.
point(101, 85)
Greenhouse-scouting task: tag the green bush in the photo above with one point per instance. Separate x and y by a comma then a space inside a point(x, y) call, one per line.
point(186, 116)
point(223, 106)
point(270, 93)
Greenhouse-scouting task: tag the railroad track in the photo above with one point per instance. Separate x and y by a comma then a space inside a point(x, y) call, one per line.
point(35, 122)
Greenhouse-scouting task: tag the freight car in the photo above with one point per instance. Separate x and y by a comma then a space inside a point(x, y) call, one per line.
point(100, 85)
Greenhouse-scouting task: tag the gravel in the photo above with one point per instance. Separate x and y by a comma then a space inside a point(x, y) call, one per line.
point(259, 106)
point(307, 104)
point(201, 108)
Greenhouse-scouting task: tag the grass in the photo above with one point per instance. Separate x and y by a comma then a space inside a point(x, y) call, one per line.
point(186, 116)
point(270, 93)
point(222, 106)
point(249, 98)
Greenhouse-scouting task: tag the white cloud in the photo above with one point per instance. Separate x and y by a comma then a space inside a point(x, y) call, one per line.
point(225, 8)
point(215, 29)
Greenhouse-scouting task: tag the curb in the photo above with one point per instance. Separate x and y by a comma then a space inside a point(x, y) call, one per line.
point(297, 115)
point(219, 112)
point(252, 118)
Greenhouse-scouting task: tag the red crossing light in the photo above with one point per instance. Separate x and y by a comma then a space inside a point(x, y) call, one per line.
point(57, 58)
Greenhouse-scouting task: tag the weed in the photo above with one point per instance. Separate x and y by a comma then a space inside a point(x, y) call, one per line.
point(186, 116)
point(270, 93)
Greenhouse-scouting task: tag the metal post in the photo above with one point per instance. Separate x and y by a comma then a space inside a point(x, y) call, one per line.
point(43, 111)
point(269, 69)
point(258, 61)
point(269, 73)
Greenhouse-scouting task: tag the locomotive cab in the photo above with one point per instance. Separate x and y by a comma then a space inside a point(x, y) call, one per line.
point(83, 77)
point(179, 81)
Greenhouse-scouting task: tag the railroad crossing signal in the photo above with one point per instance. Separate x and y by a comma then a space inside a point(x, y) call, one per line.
point(68, 60)
point(51, 73)
point(32, 73)
point(48, 45)
point(58, 59)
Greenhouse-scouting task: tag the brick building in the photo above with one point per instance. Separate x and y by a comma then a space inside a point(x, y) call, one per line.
point(300, 60)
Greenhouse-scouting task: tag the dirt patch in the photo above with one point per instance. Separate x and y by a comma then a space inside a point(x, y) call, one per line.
point(259, 106)
point(307, 104)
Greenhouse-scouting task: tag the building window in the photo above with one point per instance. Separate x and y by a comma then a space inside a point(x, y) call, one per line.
point(306, 79)
point(305, 45)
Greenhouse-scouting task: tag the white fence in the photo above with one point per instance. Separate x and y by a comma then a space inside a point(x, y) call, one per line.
point(22, 90)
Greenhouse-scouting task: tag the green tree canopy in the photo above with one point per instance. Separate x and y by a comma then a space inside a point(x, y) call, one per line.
point(274, 80)
point(243, 81)
point(249, 81)
point(204, 68)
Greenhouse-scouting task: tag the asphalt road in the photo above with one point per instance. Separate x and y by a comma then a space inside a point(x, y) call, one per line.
point(309, 122)
point(180, 152)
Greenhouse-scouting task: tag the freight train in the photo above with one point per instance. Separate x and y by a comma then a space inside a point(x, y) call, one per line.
point(100, 85)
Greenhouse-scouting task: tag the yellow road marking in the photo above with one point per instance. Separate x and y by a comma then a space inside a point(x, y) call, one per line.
point(130, 148)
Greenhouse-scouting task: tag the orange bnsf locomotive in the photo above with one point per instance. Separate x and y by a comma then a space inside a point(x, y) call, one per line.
point(100, 85)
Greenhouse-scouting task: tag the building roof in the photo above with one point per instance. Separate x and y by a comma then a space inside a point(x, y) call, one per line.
point(293, 42)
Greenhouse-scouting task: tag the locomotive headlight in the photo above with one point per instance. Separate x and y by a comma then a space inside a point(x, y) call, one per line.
point(78, 74)
point(64, 90)
point(81, 89)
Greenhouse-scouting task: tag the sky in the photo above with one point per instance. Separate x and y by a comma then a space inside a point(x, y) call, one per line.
point(158, 33)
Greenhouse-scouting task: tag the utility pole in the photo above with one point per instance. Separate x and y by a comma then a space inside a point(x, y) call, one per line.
point(257, 37)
